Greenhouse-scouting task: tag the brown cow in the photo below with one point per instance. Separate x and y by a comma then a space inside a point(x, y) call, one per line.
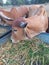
point(13, 14)
point(36, 24)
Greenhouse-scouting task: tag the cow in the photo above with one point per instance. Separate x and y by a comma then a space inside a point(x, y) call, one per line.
point(9, 16)
point(36, 24)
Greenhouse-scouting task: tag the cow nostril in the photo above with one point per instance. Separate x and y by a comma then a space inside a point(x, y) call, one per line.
point(23, 24)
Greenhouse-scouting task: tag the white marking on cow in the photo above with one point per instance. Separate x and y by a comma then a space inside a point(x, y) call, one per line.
point(15, 32)
point(13, 41)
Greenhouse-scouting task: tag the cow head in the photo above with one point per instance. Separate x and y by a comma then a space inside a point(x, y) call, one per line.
point(18, 30)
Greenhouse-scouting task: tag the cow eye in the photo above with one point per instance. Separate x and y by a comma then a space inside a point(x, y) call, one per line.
point(14, 30)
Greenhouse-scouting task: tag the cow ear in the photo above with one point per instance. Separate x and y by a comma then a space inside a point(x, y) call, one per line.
point(5, 17)
point(23, 24)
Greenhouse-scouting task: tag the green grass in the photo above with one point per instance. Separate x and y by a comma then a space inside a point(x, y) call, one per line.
point(27, 52)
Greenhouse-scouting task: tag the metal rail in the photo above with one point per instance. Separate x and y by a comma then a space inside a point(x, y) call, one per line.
point(6, 36)
point(44, 37)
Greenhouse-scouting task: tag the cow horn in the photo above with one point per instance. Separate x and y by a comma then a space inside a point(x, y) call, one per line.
point(23, 24)
point(5, 17)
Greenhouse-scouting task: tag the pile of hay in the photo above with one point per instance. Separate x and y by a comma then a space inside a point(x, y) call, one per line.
point(27, 52)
